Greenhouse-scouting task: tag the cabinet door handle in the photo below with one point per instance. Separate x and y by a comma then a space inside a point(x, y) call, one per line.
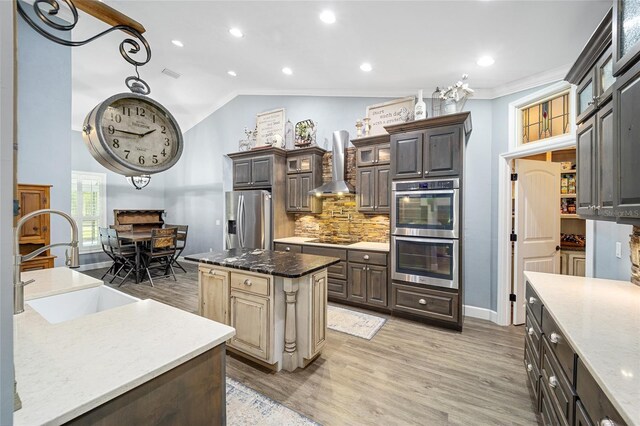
point(422, 302)
point(606, 422)
point(530, 331)
point(212, 272)
point(554, 337)
point(35, 228)
point(553, 382)
point(529, 367)
point(287, 249)
point(365, 257)
point(364, 268)
point(532, 300)
point(248, 282)
point(426, 172)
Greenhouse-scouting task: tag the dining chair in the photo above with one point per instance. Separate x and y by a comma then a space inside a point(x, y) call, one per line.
point(124, 255)
point(106, 248)
point(181, 243)
point(162, 249)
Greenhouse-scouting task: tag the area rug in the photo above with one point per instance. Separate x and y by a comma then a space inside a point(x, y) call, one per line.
point(248, 407)
point(352, 322)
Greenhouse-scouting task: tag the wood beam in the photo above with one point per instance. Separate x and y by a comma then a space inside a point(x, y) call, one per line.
point(107, 14)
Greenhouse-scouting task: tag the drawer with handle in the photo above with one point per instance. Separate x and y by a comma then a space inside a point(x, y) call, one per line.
point(250, 283)
point(533, 303)
point(338, 271)
point(336, 289)
point(534, 334)
point(559, 344)
point(557, 385)
point(547, 410)
point(291, 248)
point(369, 257)
point(325, 251)
point(424, 302)
point(533, 371)
point(599, 409)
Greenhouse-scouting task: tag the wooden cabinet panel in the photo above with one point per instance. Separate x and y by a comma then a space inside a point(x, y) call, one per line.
point(586, 94)
point(337, 289)
point(368, 257)
point(586, 171)
point(533, 370)
point(250, 317)
point(442, 151)
point(37, 263)
point(357, 284)
point(33, 230)
point(339, 270)
point(547, 411)
point(35, 233)
point(261, 171)
point(383, 189)
point(306, 184)
point(582, 418)
point(318, 312)
point(604, 161)
point(241, 173)
point(383, 154)
point(292, 193)
point(293, 248)
point(366, 156)
point(406, 155)
point(626, 110)
point(533, 303)
point(534, 336)
point(556, 383)
point(259, 285)
point(377, 285)
point(425, 302)
point(326, 251)
point(214, 294)
point(595, 402)
point(560, 345)
point(365, 193)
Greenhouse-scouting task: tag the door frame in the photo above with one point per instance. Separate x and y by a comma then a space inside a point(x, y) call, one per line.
point(516, 151)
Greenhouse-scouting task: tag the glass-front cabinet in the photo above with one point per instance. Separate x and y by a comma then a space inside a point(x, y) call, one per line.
point(374, 155)
point(626, 34)
point(596, 87)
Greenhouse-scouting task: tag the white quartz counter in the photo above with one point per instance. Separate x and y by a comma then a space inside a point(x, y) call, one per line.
point(307, 241)
point(49, 282)
point(601, 320)
point(69, 368)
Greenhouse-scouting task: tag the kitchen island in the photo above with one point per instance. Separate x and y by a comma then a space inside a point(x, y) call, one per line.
point(276, 301)
point(126, 364)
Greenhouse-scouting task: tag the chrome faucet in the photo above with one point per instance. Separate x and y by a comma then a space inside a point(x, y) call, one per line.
point(72, 261)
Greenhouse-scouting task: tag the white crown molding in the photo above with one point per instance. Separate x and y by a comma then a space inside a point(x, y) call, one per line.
point(530, 82)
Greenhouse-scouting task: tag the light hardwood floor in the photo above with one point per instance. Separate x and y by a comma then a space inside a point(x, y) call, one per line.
point(408, 374)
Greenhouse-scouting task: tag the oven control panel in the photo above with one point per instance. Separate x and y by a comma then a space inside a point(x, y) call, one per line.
point(426, 185)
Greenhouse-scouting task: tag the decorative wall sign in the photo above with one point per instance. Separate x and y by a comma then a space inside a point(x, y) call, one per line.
point(388, 113)
point(269, 124)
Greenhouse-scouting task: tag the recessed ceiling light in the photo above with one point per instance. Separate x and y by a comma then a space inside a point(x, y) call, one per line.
point(485, 61)
point(177, 43)
point(236, 32)
point(287, 70)
point(232, 73)
point(366, 67)
point(328, 17)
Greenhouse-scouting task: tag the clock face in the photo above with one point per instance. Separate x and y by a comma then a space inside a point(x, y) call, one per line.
point(140, 134)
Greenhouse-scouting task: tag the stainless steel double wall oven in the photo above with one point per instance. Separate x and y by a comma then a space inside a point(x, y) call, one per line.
point(425, 231)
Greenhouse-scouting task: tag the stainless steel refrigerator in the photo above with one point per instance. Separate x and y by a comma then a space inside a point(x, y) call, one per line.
point(248, 219)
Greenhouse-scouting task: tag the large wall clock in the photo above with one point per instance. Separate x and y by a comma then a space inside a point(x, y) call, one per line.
point(132, 134)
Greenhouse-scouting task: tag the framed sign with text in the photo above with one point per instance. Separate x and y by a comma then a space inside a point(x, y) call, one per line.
point(270, 127)
point(388, 113)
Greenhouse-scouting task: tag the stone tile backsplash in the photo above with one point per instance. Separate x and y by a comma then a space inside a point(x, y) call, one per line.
point(339, 221)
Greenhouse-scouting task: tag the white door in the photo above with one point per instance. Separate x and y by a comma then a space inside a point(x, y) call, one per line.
point(537, 225)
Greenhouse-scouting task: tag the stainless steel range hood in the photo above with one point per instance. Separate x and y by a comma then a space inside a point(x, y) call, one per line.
point(338, 185)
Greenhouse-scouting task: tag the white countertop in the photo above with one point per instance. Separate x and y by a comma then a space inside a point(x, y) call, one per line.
point(307, 241)
point(69, 368)
point(601, 320)
point(49, 282)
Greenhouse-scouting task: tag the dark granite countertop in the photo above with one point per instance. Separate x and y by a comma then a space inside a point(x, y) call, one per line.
point(279, 263)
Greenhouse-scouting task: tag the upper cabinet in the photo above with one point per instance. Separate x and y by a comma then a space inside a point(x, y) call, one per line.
point(626, 35)
point(304, 173)
point(373, 183)
point(429, 148)
point(258, 169)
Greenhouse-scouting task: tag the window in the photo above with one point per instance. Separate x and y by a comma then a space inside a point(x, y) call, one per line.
point(89, 207)
point(546, 119)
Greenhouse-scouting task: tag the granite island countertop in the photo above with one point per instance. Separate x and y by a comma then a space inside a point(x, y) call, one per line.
point(278, 263)
point(67, 369)
point(601, 320)
point(307, 241)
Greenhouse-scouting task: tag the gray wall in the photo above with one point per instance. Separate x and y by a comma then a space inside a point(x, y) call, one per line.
point(606, 264)
point(120, 195)
point(44, 123)
point(6, 211)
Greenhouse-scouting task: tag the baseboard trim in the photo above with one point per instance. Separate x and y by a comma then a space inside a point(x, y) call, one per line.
point(480, 313)
point(90, 266)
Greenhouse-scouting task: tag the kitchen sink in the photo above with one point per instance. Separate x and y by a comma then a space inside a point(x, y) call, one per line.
point(79, 303)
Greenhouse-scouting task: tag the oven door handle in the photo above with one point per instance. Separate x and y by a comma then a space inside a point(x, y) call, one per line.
point(429, 192)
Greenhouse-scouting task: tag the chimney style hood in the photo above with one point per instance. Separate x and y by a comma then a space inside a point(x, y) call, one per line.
point(338, 185)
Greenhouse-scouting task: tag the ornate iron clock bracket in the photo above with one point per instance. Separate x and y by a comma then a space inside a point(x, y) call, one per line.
point(128, 47)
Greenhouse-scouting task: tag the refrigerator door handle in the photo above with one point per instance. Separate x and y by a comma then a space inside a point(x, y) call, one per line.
point(241, 221)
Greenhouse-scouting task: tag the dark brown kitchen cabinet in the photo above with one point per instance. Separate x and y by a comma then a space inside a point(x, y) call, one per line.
point(586, 151)
point(367, 284)
point(373, 155)
point(382, 189)
point(357, 284)
point(626, 127)
point(406, 155)
point(441, 151)
point(373, 178)
point(626, 38)
point(304, 172)
point(254, 172)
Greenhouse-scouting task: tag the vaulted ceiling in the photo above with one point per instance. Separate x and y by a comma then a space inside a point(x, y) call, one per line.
point(410, 45)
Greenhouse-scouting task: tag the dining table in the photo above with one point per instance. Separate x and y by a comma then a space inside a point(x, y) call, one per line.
point(138, 239)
